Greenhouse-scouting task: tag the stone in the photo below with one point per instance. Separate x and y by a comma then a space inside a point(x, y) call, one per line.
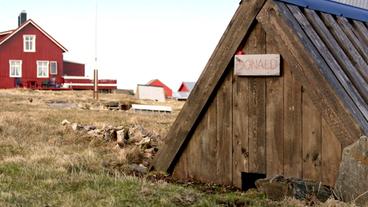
point(352, 180)
point(144, 141)
point(110, 135)
point(138, 169)
point(122, 137)
point(89, 127)
point(278, 188)
point(94, 133)
point(112, 104)
point(125, 107)
point(77, 127)
point(65, 122)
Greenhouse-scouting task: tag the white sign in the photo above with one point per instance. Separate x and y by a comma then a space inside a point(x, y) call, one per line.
point(257, 65)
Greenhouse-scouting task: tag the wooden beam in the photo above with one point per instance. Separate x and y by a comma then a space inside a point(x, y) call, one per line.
point(207, 83)
point(309, 68)
point(334, 56)
point(362, 30)
point(348, 29)
point(354, 65)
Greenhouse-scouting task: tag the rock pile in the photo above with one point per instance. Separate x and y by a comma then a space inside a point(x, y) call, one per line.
point(278, 188)
point(137, 144)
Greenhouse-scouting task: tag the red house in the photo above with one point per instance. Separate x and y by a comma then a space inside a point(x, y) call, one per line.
point(31, 58)
point(156, 82)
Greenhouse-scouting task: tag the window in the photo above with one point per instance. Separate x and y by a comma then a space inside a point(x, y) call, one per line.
point(29, 43)
point(53, 67)
point(42, 69)
point(15, 68)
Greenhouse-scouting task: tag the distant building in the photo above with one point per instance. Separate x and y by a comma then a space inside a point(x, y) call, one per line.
point(184, 91)
point(156, 82)
point(31, 58)
point(186, 87)
point(154, 93)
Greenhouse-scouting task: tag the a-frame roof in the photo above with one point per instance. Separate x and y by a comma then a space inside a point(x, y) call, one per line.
point(330, 56)
point(11, 33)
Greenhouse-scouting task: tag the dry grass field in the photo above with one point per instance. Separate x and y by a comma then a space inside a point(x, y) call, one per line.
point(45, 163)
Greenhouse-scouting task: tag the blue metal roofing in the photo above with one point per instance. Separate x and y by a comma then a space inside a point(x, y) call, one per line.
point(332, 7)
point(358, 3)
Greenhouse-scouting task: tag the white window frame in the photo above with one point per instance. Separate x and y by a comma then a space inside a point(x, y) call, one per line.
point(56, 72)
point(39, 62)
point(33, 43)
point(11, 67)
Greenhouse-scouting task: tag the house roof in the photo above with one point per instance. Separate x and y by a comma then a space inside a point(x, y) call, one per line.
point(356, 3)
point(189, 85)
point(348, 9)
point(154, 80)
point(4, 34)
point(11, 33)
point(330, 53)
point(342, 48)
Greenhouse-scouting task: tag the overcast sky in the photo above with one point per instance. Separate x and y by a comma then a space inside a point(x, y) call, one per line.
point(138, 40)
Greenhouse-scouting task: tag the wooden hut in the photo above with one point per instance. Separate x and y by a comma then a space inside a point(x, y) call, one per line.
point(234, 128)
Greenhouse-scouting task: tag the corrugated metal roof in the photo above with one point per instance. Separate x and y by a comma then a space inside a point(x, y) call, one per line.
point(333, 7)
point(358, 3)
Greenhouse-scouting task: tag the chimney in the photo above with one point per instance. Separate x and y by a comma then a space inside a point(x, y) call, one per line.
point(22, 18)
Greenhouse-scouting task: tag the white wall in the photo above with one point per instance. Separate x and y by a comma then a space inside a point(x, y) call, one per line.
point(150, 93)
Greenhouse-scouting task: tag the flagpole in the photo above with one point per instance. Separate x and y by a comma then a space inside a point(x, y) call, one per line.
point(95, 72)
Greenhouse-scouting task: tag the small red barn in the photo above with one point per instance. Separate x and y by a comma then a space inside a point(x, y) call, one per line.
point(156, 82)
point(186, 87)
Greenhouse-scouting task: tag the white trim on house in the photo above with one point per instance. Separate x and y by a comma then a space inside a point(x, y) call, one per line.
point(6, 32)
point(76, 77)
point(39, 28)
point(89, 84)
point(29, 43)
point(18, 70)
point(56, 68)
point(45, 68)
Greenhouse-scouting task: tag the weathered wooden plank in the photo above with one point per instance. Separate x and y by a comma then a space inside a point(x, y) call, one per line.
point(362, 30)
point(359, 45)
point(349, 87)
point(355, 60)
point(292, 125)
point(331, 155)
point(312, 140)
point(240, 129)
point(181, 171)
point(210, 145)
point(224, 131)
point(257, 127)
point(256, 44)
point(274, 117)
point(194, 163)
point(207, 83)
